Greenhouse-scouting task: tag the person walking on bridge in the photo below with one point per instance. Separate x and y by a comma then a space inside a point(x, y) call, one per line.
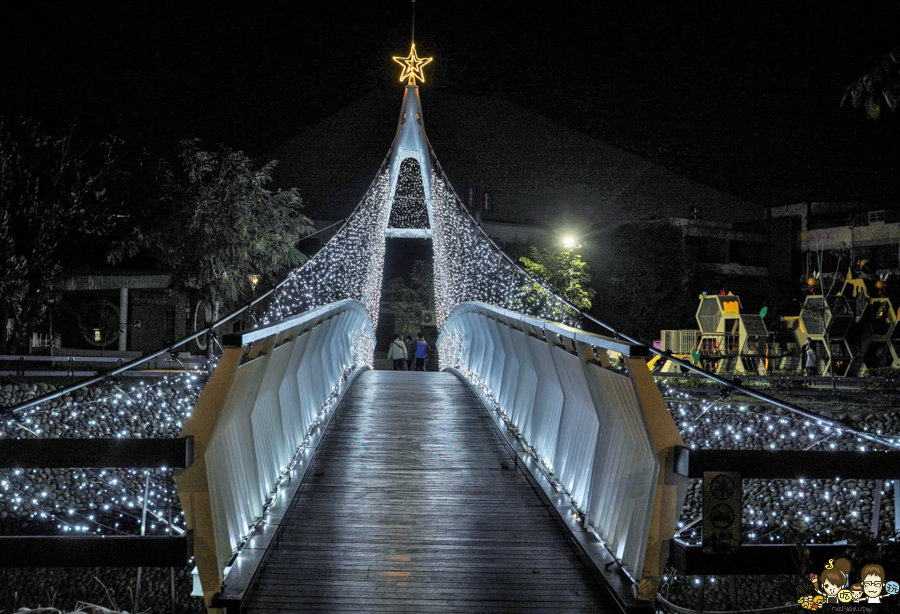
point(397, 353)
point(410, 353)
point(421, 352)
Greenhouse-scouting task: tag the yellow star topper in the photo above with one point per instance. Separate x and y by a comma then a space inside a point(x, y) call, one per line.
point(412, 66)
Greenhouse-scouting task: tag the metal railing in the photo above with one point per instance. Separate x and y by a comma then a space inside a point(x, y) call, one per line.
point(604, 435)
point(268, 392)
point(679, 341)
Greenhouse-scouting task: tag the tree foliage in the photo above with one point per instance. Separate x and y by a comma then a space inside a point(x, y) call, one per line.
point(565, 273)
point(881, 85)
point(217, 224)
point(53, 191)
point(649, 282)
point(407, 300)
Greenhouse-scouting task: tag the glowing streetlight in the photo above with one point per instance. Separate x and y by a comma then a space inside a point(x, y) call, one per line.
point(571, 243)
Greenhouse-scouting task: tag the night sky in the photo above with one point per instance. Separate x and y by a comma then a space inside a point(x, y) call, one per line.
point(746, 98)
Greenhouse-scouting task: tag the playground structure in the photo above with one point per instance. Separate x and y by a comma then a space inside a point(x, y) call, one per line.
point(853, 331)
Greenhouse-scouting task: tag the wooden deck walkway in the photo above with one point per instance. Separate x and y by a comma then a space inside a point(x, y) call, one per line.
point(412, 504)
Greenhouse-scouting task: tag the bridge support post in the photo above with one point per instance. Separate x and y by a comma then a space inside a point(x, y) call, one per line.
point(193, 484)
point(671, 488)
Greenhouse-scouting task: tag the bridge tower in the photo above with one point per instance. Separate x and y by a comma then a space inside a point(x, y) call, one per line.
point(410, 142)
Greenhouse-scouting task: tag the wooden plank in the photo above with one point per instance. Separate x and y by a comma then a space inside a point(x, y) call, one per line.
point(788, 464)
point(412, 502)
point(98, 453)
point(95, 551)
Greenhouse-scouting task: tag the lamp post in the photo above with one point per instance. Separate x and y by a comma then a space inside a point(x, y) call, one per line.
point(254, 281)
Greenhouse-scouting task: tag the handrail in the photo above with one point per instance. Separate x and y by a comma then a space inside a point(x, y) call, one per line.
point(603, 436)
point(607, 343)
point(253, 420)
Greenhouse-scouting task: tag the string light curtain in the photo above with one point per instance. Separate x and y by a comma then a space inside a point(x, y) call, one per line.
point(350, 266)
point(468, 267)
point(409, 209)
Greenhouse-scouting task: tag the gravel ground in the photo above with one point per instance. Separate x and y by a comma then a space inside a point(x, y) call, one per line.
point(63, 501)
point(59, 501)
point(782, 510)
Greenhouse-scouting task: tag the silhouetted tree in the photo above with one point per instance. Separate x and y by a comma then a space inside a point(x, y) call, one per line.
point(216, 225)
point(881, 85)
point(53, 197)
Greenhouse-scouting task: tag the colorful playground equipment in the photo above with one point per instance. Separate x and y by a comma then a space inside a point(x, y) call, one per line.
point(853, 331)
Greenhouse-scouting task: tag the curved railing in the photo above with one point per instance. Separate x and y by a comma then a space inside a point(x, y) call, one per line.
point(270, 389)
point(602, 434)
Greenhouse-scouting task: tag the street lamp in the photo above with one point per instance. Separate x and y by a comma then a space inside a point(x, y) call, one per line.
point(571, 242)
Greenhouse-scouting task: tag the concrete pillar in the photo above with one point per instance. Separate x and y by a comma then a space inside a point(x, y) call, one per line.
point(123, 318)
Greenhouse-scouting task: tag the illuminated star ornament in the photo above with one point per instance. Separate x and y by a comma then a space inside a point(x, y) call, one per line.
point(412, 66)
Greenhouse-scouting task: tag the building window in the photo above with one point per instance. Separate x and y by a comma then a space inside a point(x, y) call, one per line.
point(170, 324)
point(876, 216)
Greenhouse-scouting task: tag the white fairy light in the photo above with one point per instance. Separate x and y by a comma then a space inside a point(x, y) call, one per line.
point(350, 266)
point(467, 266)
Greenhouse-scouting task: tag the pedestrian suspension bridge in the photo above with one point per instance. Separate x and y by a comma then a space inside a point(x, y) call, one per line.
point(538, 471)
point(320, 485)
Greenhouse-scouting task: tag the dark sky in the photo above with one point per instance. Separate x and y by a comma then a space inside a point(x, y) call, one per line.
point(746, 99)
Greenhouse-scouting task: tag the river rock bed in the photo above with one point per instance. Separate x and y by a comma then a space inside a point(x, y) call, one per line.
point(67, 588)
point(822, 511)
point(826, 509)
point(76, 501)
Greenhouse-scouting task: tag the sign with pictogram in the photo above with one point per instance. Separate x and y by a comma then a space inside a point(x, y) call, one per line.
point(721, 532)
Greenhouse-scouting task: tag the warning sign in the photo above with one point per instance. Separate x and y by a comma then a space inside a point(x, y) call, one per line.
point(721, 512)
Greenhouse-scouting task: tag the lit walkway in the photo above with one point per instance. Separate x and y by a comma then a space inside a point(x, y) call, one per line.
point(414, 505)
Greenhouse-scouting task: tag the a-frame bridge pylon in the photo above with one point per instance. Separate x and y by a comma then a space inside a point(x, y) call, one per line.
point(410, 142)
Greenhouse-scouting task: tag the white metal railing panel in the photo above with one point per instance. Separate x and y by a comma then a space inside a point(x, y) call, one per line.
point(510, 376)
point(498, 361)
point(226, 532)
point(586, 423)
point(329, 369)
point(626, 468)
point(462, 342)
point(526, 386)
point(344, 355)
point(272, 452)
point(322, 364)
point(548, 402)
point(476, 360)
point(342, 351)
point(487, 358)
point(292, 417)
point(578, 427)
point(310, 380)
point(240, 496)
point(355, 331)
